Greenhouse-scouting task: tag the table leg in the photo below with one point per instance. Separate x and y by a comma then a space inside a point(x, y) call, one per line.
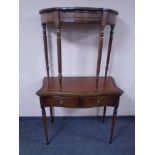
point(51, 114)
point(113, 124)
point(104, 113)
point(45, 124)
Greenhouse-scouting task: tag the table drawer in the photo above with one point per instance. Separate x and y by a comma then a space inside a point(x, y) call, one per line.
point(80, 16)
point(100, 101)
point(59, 102)
point(79, 102)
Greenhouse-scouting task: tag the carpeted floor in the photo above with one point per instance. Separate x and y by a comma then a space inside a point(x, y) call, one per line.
point(77, 136)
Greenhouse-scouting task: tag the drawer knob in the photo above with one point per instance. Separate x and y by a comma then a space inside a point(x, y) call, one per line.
point(61, 101)
point(98, 101)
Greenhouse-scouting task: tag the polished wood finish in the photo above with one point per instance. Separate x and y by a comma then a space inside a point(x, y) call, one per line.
point(79, 92)
point(78, 87)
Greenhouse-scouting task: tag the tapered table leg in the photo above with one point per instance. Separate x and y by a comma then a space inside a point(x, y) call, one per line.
point(45, 124)
point(104, 113)
point(51, 114)
point(113, 124)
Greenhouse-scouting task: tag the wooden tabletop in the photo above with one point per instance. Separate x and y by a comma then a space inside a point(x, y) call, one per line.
point(78, 8)
point(78, 86)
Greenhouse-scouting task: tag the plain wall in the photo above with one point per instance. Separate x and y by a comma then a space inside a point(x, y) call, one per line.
point(79, 54)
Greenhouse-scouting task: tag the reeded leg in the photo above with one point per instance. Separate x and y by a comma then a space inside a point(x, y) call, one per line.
point(45, 125)
point(113, 124)
point(104, 112)
point(51, 114)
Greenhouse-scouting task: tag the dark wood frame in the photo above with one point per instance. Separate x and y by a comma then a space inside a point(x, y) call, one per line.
point(105, 93)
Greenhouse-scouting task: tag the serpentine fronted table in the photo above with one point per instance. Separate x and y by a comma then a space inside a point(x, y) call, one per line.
point(78, 92)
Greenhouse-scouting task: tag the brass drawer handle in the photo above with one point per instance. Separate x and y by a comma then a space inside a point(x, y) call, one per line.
point(61, 101)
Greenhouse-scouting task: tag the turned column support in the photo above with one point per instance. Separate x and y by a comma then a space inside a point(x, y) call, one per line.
point(101, 37)
point(58, 27)
point(45, 48)
point(109, 49)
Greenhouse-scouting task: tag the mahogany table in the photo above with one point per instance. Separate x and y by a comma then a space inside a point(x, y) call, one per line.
point(79, 92)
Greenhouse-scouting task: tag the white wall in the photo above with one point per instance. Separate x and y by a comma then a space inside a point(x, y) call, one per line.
point(78, 43)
